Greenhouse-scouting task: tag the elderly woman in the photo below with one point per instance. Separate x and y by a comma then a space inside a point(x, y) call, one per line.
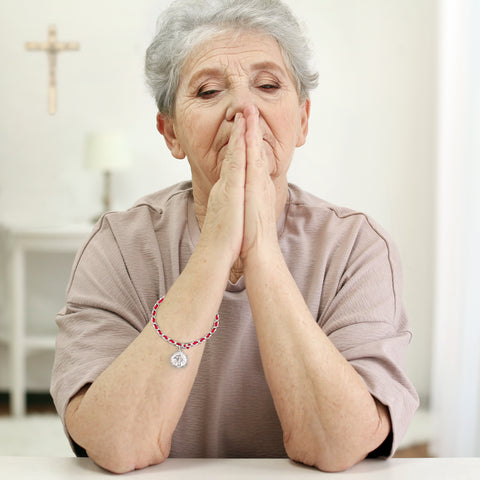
point(234, 315)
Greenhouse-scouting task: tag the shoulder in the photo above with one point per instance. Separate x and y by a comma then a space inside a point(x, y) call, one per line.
point(162, 211)
point(344, 239)
point(350, 243)
point(317, 214)
point(165, 198)
point(126, 243)
point(148, 213)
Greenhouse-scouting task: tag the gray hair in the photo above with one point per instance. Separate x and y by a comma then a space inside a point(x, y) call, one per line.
point(185, 24)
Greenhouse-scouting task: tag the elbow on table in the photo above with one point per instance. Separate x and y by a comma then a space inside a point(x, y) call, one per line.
point(113, 451)
point(321, 456)
point(339, 452)
point(335, 465)
point(325, 463)
point(124, 460)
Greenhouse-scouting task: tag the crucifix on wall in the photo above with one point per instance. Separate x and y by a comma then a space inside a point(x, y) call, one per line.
point(52, 47)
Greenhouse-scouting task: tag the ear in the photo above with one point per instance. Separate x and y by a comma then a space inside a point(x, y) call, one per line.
point(303, 128)
point(166, 128)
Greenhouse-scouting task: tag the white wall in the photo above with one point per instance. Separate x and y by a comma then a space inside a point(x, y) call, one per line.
point(372, 131)
point(456, 353)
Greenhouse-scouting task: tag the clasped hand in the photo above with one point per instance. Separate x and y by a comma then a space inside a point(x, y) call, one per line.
point(241, 214)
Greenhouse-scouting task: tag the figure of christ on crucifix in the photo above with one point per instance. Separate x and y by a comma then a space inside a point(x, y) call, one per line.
point(52, 47)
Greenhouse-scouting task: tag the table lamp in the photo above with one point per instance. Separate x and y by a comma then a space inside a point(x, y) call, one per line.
point(106, 152)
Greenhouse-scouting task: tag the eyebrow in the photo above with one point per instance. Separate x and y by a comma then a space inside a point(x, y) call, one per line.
point(217, 71)
point(205, 72)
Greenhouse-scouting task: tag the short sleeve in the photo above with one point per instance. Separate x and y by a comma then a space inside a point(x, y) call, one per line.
point(366, 320)
point(102, 316)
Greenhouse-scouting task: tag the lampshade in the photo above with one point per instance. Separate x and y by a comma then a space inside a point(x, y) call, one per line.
point(106, 151)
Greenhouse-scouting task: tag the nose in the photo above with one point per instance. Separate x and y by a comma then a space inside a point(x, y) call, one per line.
point(239, 100)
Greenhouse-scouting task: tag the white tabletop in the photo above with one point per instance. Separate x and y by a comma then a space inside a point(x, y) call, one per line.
point(52, 468)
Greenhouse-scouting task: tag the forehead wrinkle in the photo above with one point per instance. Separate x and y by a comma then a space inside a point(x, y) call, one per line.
point(222, 56)
point(206, 72)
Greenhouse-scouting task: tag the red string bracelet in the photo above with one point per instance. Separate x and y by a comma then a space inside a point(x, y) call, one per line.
point(179, 359)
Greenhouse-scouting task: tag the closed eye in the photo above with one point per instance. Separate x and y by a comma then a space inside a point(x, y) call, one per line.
point(206, 93)
point(269, 86)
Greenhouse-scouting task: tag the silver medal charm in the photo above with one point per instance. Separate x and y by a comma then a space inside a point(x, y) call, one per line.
point(179, 359)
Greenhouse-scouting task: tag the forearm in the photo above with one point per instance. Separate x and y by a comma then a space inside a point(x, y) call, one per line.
point(126, 418)
point(328, 416)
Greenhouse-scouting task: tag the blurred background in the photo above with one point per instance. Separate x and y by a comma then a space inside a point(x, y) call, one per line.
point(394, 132)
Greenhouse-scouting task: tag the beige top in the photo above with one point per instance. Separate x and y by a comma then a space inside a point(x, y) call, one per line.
point(343, 263)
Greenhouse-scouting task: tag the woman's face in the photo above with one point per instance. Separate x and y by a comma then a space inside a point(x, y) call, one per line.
point(221, 78)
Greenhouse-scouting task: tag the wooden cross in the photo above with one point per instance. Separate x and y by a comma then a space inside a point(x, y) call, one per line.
point(52, 47)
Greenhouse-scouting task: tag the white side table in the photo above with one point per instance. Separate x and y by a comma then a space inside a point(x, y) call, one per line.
point(17, 241)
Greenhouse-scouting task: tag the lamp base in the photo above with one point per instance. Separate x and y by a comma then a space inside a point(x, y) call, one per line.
point(107, 196)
